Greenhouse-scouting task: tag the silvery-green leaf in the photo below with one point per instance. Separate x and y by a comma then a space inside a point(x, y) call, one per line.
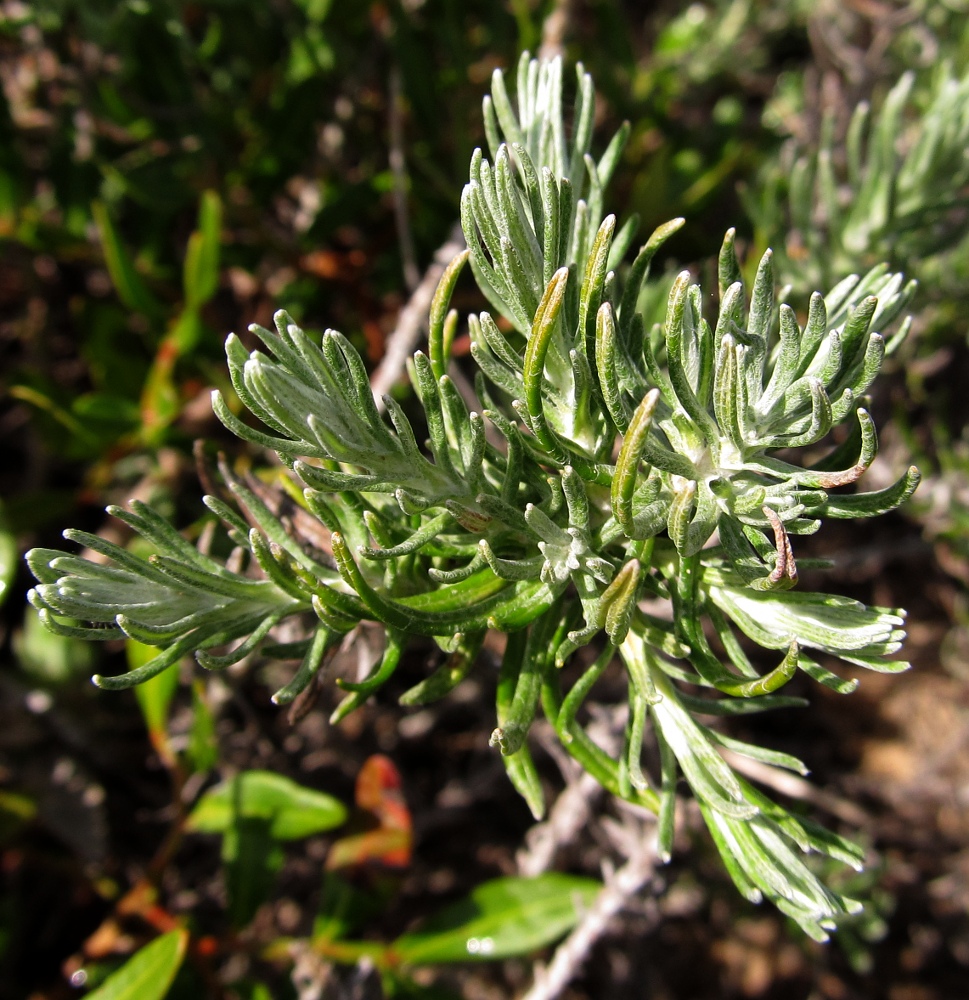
point(757, 850)
point(827, 622)
point(708, 774)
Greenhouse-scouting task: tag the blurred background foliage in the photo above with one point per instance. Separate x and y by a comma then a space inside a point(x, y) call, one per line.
point(170, 171)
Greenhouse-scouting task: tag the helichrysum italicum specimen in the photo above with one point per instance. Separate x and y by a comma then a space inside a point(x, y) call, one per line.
point(633, 463)
point(895, 190)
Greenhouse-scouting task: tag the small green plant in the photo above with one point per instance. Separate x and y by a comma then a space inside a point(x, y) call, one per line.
point(628, 463)
point(256, 812)
point(895, 190)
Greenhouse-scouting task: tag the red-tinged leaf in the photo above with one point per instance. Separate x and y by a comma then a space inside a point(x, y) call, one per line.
point(391, 848)
point(160, 398)
point(380, 791)
point(379, 796)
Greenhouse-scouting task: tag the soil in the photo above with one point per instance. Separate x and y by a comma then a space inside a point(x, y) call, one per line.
point(891, 757)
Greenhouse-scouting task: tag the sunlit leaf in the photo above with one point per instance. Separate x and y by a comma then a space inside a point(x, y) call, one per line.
point(155, 695)
point(8, 557)
point(501, 918)
point(201, 274)
point(292, 811)
point(148, 974)
point(203, 749)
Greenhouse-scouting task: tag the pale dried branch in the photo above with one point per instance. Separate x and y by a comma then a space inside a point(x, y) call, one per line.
point(572, 953)
point(554, 29)
point(413, 318)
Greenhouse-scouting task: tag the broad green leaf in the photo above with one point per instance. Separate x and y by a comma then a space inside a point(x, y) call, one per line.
point(293, 812)
point(253, 811)
point(501, 918)
point(201, 273)
point(95, 408)
point(315, 10)
point(310, 55)
point(397, 986)
point(148, 974)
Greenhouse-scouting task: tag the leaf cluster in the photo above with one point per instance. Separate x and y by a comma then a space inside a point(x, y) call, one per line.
point(629, 486)
point(888, 185)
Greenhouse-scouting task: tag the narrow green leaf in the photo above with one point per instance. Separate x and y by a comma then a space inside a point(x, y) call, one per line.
point(728, 268)
point(628, 462)
point(828, 622)
point(503, 109)
point(640, 269)
point(773, 757)
point(606, 349)
point(708, 774)
point(201, 271)
point(619, 601)
point(127, 282)
point(590, 294)
point(8, 557)
point(203, 746)
point(762, 299)
point(666, 820)
point(437, 348)
point(878, 502)
point(172, 654)
point(501, 919)
point(251, 860)
point(676, 334)
point(155, 695)
point(149, 973)
point(524, 777)
point(449, 674)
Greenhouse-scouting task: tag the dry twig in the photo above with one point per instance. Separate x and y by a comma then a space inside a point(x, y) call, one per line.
point(413, 317)
point(398, 167)
point(572, 953)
